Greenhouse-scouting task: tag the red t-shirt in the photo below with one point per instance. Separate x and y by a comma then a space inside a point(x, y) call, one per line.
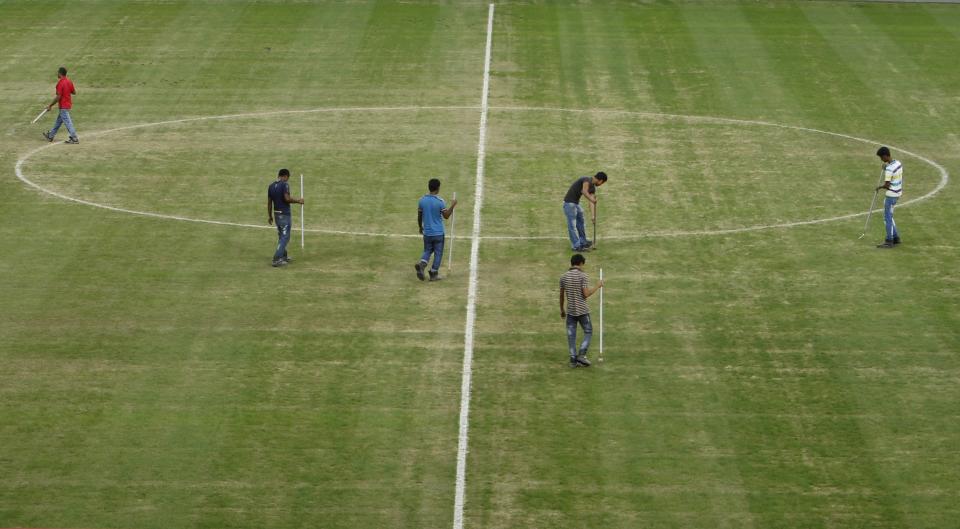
point(65, 90)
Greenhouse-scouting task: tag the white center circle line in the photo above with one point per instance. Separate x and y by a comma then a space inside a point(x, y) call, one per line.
point(941, 184)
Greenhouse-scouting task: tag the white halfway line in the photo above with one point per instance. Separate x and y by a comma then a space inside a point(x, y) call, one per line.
point(472, 291)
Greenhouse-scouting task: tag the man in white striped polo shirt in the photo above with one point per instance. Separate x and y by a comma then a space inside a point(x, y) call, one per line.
point(893, 183)
point(574, 286)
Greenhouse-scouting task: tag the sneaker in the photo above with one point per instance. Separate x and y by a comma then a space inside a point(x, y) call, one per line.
point(48, 136)
point(886, 244)
point(72, 141)
point(573, 362)
point(587, 243)
point(583, 249)
point(582, 360)
point(896, 241)
point(287, 260)
point(435, 276)
point(419, 267)
point(278, 263)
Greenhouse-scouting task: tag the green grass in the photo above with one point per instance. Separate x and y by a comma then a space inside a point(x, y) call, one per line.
point(158, 373)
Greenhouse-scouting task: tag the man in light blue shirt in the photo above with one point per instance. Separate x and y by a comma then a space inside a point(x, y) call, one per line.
point(431, 210)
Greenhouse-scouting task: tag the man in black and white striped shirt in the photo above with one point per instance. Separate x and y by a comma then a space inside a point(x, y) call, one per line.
point(574, 286)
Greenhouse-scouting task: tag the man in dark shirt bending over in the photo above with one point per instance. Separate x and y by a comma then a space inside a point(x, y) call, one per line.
point(585, 186)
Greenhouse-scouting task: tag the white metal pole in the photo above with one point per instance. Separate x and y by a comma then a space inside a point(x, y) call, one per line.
point(601, 316)
point(40, 115)
point(302, 233)
point(453, 224)
point(873, 202)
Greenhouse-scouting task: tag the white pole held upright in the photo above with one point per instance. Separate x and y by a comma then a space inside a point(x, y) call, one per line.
point(453, 223)
point(601, 316)
point(301, 214)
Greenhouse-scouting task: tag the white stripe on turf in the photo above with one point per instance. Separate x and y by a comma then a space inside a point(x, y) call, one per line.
point(472, 290)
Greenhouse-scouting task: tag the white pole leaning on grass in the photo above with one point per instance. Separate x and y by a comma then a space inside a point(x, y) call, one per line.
point(453, 223)
point(302, 233)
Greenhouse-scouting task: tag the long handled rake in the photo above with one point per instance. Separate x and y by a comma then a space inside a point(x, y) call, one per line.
point(596, 215)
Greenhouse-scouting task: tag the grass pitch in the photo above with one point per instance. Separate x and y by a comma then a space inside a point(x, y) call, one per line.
point(158, 373)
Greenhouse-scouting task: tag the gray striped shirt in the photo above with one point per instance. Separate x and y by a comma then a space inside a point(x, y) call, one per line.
point(572, 283)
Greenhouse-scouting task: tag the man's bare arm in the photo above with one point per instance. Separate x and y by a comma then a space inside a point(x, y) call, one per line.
point(587, 292)
point(449, 211)
point(586, 192)
point(291, 200)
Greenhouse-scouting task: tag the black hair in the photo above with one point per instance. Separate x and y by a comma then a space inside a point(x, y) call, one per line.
point(601, 176)
point(284, 172)
point(577, 259)
point(433, 185)
point(62, 71)
point(883, 151)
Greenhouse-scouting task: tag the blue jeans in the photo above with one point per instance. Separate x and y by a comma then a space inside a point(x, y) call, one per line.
point(575, 226)
point(433, 244)
point(584, 321)
point(283, 221)
point(888, 204)
point(63, 118)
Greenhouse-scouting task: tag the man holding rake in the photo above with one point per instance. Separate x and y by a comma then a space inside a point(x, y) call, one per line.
point(585, 186)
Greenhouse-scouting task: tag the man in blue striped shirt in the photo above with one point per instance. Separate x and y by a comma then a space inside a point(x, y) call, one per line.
point(893, 183)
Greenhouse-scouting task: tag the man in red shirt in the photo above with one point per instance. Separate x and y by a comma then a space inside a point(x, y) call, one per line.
point(65, 92)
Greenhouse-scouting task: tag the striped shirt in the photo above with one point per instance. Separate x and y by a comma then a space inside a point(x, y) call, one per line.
point(572, 284)
point(893, 173)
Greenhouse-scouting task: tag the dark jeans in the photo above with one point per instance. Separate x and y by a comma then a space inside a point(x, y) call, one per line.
point(283, 235)
point(584, 321)
point(433, 244)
